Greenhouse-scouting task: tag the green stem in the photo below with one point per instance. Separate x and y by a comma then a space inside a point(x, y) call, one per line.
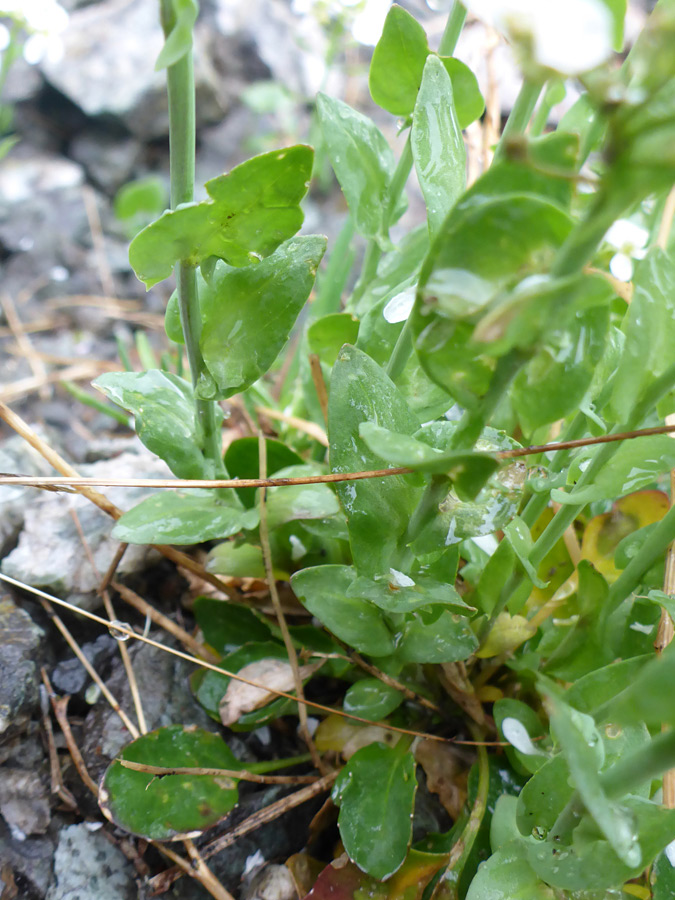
point(472, 422)
point(453, 29)
point(567, 514)
point(538, 502)
point(583, 240)
point(272, 765)
point(624, 777)
point(448, 886)
point(333, 278)
point(541, 116)
point(655, 546)
point(402, 350)
point(520, 115)
point(181, 97)
point(399, 179)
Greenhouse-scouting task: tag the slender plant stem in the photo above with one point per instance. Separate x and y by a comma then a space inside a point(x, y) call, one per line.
point(453, 29)
point(538, 502)
point(654, 547)
point(625, 776)
point(402, 350)
point(472, 422)
point(541, 115)
point(567, 514)
point(181, 96)
point(520, 115)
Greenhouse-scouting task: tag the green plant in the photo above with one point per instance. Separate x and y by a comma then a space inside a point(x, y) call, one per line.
point(455, 579)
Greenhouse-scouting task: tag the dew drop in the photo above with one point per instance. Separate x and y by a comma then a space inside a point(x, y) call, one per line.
point(119, 635)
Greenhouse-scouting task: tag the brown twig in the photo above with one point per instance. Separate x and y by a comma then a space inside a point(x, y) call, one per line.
point(164, 880)
point(56, 778)
point(319, 384)
point(24, 344)
point(237, 774)
point(60, 707)
point(46, 601)
point(310, 428)
point(278, 611)
point(332, 478)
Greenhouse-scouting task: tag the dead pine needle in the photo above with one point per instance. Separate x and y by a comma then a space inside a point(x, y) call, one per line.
point(185, 561)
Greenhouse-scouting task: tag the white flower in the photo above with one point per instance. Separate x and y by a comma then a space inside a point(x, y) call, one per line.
point(44, 20)
point(630, 240)
point(569, 36)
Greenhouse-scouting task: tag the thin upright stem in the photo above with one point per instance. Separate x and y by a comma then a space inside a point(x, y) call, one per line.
point(453, 29)
point(181, 97)
point(520, 115)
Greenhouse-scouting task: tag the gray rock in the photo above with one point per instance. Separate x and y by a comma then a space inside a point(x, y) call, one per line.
point(24, 802)
point(70, 676)
point(20, 642)
point(108, 161)
point(22, 177)
point(50, 553)
point(31, 861)
point(109, 67)
point(293, 48)
point(86, 865)
point(16, 456)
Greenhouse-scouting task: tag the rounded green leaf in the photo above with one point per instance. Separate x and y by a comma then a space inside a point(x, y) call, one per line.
point(242, 461)
point(163, 408)
point(376, 793)
point(469, 103)
point(183, 517)
point(363, 163)
point(372, 699)
point(169, 807)
point(328, 334)
point(398, 62)
point(436, 636)
point(377, 510)
point(323, 590)
point(226, 625)
point(251, 211)
point(248, 312)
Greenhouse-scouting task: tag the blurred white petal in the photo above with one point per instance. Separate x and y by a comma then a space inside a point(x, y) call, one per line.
point(621, 267)
point(624, 233)
point(570, 36)
point(4, 37)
